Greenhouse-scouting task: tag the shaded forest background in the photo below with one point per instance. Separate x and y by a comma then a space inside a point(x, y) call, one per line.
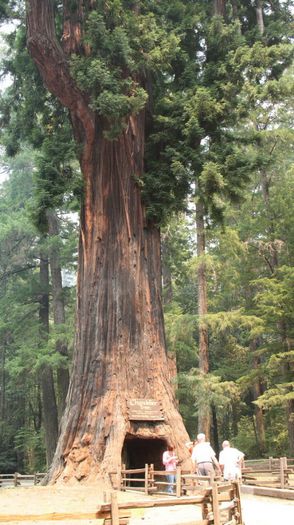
point(233, 198)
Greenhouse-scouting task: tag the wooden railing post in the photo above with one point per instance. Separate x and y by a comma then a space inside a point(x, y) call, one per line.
point(114, 509)
point(270, 463)
point(215, 504)
point(146, 484)
point(178, 482)
point(151, 476)
point(282, 473)
point(237, 499)
point(286, 474)
point(15, 479)
point(123, 484)
point(211, 476)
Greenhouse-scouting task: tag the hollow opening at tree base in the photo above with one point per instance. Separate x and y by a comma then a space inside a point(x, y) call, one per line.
point(139, 451)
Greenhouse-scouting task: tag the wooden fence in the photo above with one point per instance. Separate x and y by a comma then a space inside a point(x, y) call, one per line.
point(220, 501)
point(17, 479)
point(220, 505)
point(271, 472)
point(150, 481)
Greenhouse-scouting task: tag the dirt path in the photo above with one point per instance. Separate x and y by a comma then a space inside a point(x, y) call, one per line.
point(257, 510)
point(58, 499)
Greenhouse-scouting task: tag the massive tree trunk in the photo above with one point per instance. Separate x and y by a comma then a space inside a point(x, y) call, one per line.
point(120, 347)
point(203, 413)
point(120, 351)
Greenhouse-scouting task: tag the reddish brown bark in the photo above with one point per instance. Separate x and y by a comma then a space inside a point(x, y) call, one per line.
point(120, 345)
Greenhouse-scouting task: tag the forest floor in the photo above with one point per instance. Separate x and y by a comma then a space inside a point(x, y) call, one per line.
point(25, 501)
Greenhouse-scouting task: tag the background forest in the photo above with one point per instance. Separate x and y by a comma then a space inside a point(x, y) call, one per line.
point(225, 207)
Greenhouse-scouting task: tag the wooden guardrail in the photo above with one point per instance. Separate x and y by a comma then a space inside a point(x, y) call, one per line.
point(17, 479)
point(274, 472)
point(220, 505)
point(150, 481)
point(215, 496)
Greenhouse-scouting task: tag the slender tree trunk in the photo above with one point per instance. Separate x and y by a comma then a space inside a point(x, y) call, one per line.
point(58, 308)
point(120, 352)
point(3, 381)
point(235, 9)
point(166, 275)
point(235, 420)
point(215, 430)
point(290, 420)
point(203, 414)
point(259, 16)
point(256, 392)
point(259, 422)
point(219, 7)
point(50, 420)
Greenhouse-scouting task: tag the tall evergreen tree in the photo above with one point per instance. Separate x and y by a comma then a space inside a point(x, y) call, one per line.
point(30, 364)
point(103, 60)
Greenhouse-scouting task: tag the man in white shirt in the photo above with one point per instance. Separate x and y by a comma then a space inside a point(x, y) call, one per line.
point(203, 456)
point(230, 460)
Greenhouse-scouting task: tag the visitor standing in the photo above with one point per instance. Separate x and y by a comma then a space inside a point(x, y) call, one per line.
point(203, 457)
point(230, 460)
point(170, 460)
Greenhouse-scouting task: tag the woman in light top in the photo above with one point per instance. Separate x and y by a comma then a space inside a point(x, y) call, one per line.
point(170, 460)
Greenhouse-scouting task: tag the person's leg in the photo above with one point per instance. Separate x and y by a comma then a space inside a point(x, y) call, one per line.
point(208, 469)
point(171, 478)
point(201, 470)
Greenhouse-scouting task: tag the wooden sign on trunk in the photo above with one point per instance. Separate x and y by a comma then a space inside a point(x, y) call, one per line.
point(145, 410)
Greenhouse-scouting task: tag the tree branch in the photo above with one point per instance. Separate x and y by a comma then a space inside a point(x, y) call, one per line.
point(53, 65)
point(16, 271)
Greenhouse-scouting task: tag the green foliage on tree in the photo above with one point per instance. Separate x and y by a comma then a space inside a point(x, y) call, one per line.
point(22, 354)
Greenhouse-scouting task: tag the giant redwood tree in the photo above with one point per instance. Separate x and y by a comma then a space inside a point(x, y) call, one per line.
point(146, 95)
point(99, 58)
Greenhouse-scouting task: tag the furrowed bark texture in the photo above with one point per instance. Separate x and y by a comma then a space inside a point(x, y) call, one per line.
point(120, 346)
